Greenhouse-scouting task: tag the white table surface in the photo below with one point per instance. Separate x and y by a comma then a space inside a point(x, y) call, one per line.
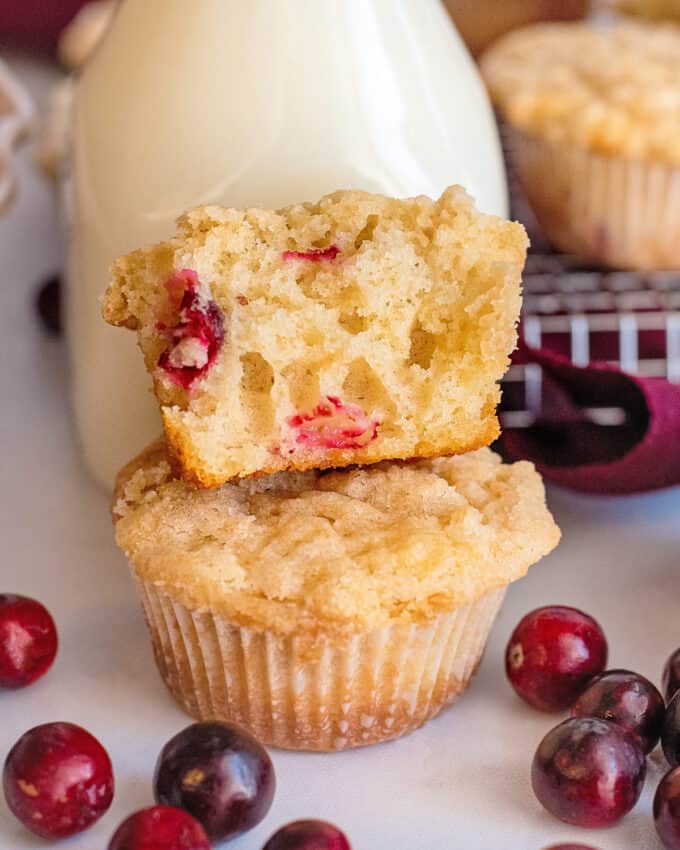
point(461, 782)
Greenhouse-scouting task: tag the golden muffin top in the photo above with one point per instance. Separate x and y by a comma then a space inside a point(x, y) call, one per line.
point(614, 91)
point(335, 552)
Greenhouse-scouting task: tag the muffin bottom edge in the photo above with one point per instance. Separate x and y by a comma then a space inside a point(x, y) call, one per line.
point(371, 688)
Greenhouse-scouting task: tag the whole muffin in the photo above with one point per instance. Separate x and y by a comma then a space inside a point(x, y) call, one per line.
point(328, 610)
point(481, 22)
point(595, 122)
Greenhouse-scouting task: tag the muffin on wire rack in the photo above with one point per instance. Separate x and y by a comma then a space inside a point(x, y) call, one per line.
point(594, 115)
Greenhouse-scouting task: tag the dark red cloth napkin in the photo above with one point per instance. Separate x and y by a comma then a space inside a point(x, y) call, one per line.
point(641, 454)
point(35, 24)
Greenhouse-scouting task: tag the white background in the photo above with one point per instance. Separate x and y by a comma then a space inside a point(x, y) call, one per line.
point(462, 782)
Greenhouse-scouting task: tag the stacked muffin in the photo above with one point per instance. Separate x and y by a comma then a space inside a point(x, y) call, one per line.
point(311, 561)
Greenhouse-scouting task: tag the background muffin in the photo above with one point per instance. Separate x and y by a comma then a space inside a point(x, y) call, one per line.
point(325, 611)
point(595, 116)
point(481, 22)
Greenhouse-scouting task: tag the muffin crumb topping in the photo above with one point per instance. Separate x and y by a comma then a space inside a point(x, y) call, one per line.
point(338, 551)
point(613, 90)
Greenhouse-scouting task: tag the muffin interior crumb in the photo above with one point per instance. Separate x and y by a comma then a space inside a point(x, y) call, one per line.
point(398, 314)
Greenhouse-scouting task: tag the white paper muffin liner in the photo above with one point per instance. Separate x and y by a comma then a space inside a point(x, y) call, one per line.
point(330, 696)
point(622, 213)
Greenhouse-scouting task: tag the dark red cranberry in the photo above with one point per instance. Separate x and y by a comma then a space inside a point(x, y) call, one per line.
point(58, 780)
point(671, 676)
point(308, 835)
point(316, 255)
point(160, 828)
point(588, 772)
point(552, 656)
point(670, 732)
point(629, 700)
point(219, 774)
point(48, 305)
point(196, 337)
point(667, 810)
point(28, 641)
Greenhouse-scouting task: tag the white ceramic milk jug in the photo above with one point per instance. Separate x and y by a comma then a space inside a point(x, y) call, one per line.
point(264, 102)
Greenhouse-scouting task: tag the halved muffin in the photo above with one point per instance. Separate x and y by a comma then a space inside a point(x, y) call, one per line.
point(346, 332)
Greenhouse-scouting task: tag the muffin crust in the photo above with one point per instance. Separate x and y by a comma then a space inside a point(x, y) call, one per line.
point(614, 91)
point(335, 553)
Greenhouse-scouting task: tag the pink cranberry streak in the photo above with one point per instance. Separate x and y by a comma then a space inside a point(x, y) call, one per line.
point(197, 336)
point(317, 255)
point(333, 424)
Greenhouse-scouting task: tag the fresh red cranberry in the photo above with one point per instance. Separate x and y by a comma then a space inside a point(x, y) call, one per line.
point(552, 656)
point(58, 780)
point(160, 828)
point(219, 774)
point(308, 835)
point(334, 424)
point(317, 255)
point(667, 810)
point(671, 676)
point(197, 335)
point(48, 305)
point(629, 700)
point(670, 732)
point(28, 641)
point(588, 772)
